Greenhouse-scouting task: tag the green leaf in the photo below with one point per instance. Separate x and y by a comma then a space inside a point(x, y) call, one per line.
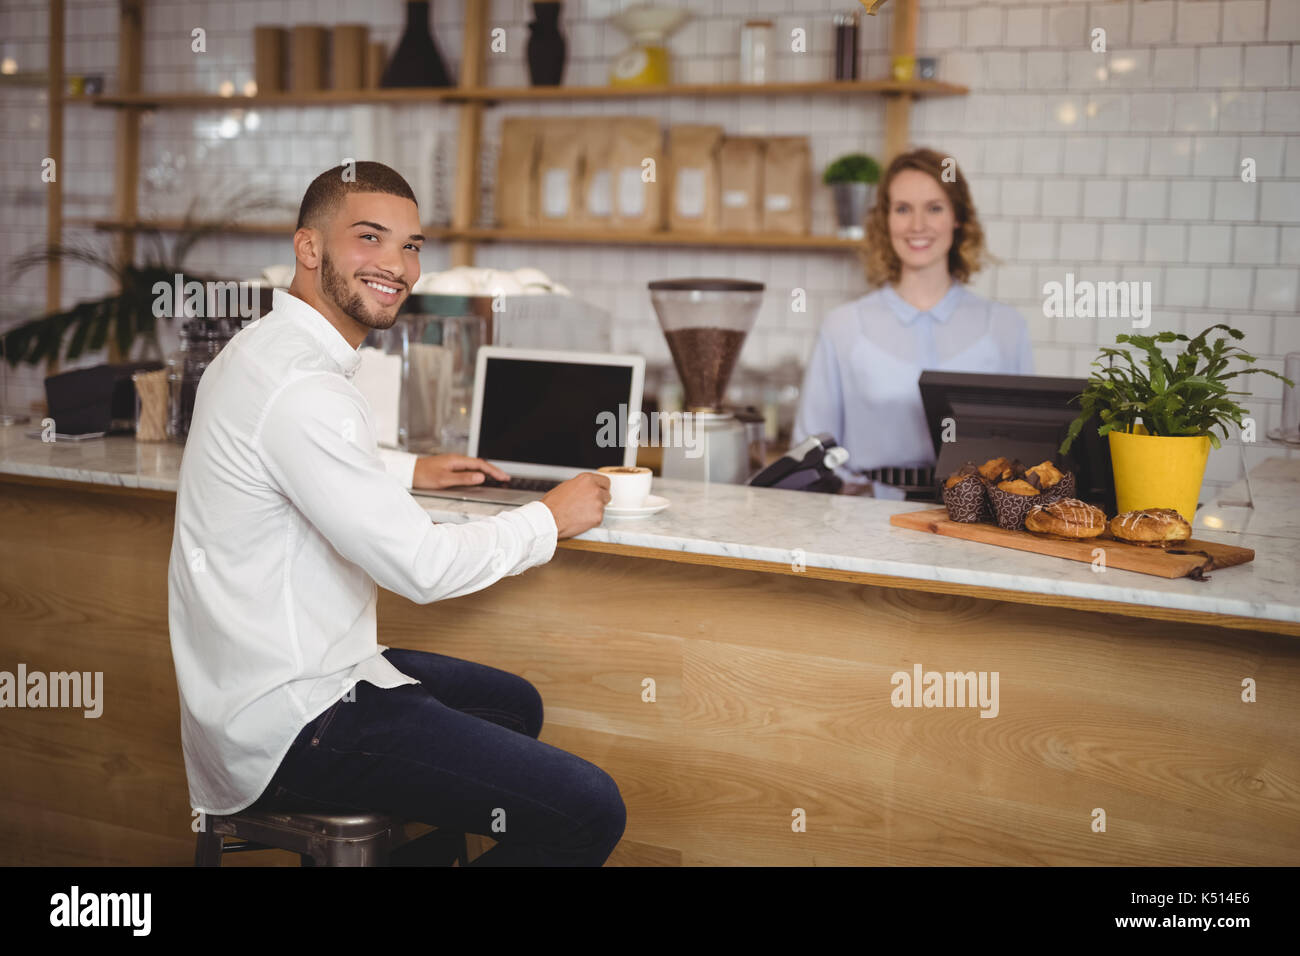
point(83, 317)
point(852, 168)
point(1186, 396)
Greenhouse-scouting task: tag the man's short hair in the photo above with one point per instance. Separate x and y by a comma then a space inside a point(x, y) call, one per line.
point(328, 189)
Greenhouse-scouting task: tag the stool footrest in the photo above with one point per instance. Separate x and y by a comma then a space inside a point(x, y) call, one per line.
point(319, 839)
point(245, 846)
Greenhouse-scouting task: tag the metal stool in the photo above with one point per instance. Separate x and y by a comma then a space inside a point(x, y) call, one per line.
point(319, 839)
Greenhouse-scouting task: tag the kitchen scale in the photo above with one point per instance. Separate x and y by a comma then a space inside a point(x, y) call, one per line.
point(645, 62)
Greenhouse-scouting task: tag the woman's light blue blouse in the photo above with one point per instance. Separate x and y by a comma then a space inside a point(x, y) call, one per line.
point(861, 382)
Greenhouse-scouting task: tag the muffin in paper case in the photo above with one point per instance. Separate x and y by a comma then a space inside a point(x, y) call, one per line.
point(1010, 510)
point(968, 501)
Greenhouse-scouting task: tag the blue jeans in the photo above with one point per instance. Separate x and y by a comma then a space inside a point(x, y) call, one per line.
point(458, 751)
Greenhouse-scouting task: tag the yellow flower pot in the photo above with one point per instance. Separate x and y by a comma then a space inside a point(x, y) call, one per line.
point(1153, 471)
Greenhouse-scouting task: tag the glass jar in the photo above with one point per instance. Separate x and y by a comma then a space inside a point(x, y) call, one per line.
point(201, 341)
point(755, 51)
point(438, 338)
point(846, 46)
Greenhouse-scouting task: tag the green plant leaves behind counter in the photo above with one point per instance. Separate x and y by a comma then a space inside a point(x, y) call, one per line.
point(1185, 398)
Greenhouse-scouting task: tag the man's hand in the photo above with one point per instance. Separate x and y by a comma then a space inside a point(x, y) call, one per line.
point(578, 504)
point(448, 471)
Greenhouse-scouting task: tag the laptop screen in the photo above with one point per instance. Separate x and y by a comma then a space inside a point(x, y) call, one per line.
point(546, 412)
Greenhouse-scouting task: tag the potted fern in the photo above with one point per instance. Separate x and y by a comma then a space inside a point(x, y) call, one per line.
point(120, 319)
point(1159, 416)
point(852, 179)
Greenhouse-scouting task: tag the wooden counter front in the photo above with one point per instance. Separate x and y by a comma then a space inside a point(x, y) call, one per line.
point(772, 695)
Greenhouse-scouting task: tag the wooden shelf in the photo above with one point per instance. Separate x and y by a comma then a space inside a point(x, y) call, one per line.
point(237, 228)
point(492, 234)
point(266, 100)
point(29, 78)
point(469, 99)
point(502, 94)
point(819, 87)
point(177, 225)
point(613, 237)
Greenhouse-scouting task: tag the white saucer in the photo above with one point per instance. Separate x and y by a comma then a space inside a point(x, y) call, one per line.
point(653, 505)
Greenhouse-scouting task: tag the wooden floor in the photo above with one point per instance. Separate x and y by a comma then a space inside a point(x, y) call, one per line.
point(773, 693)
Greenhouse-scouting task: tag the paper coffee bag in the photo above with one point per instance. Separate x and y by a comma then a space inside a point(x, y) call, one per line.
point(693, 161)
point(596, 189)
point(516, 191)
point(740, 184)
point(559, 172)
point(637, 177)
point(787, 186)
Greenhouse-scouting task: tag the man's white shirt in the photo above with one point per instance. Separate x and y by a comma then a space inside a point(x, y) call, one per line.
point(288, 515)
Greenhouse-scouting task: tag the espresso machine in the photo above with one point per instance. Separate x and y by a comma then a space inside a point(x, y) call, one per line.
point(706, 322)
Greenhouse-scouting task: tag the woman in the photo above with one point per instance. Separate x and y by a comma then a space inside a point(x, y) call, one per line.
point(923, 243)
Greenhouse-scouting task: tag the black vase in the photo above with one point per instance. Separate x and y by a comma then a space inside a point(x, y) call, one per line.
point(416, 61)
point(546, 47)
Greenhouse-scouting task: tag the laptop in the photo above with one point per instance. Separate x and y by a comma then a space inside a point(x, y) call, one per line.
point(545, 416)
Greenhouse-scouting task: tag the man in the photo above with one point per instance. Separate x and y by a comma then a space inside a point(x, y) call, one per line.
point(286, 517)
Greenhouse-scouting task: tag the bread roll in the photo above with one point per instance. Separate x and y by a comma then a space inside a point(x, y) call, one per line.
point(1151, 526)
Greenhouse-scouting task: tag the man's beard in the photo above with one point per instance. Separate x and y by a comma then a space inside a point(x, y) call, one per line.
point(351, 303)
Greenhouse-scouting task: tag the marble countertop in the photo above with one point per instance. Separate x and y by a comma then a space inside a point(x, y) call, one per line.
point(837, 532)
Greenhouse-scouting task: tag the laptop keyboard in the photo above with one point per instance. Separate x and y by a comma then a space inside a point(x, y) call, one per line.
point(519, 484)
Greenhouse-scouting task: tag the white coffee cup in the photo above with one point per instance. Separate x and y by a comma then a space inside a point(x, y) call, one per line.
point(629, 486)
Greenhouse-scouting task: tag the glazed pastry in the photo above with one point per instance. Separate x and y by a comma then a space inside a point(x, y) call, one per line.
point(1151, 526)
point(1068, 518)
point(1017, 486)
point(1047, 474)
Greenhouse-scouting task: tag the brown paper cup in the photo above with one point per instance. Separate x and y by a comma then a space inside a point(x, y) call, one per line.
point(1062, 489)
point(968, 501)
point(1011, 510)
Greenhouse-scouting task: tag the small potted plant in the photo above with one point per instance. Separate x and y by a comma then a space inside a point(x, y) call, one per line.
point(852, 179)
point(1159, 416)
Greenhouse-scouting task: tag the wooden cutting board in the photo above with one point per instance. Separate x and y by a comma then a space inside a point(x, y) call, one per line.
point(1193, 558)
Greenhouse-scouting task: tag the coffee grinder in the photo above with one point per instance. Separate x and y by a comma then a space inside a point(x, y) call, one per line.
point(706, 322)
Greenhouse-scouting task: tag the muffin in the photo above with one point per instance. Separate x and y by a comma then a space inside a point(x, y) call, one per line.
point(1047, 474)
point(966, 496)
point(1016, 494)
point(1018, 486)
point(996, 469)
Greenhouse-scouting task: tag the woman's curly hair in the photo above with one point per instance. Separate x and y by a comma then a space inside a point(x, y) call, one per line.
point(967, 254)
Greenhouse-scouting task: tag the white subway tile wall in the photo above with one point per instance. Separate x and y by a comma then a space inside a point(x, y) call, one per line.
point(1142, 140)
